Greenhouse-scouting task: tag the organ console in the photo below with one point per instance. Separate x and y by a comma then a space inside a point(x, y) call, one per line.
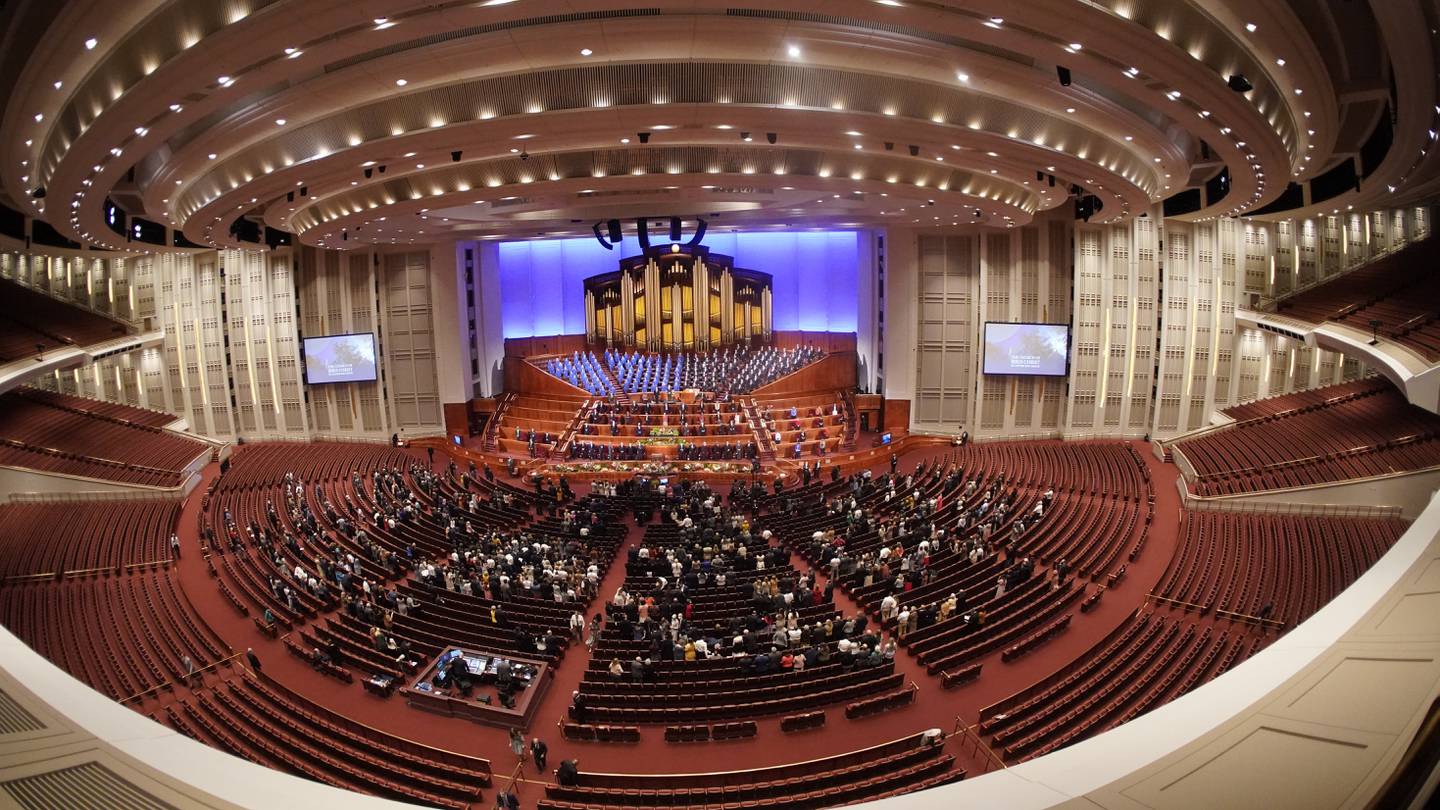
point(678, 297)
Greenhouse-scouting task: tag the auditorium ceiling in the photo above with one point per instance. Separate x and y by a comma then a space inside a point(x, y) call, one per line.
point(352, 123)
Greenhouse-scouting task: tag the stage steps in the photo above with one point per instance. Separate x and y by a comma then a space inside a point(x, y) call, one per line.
point(762, 436)
point(621, 397)
point(492, 430)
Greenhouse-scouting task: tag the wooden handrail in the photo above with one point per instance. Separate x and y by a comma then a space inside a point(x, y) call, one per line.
point(969, 733)
point(164, 684)
point(1157, 597)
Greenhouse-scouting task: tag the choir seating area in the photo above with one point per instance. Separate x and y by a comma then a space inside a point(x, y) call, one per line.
point(1353, 430)
point(1400, 291)
point(32, 322)
point(83, 537)
point(1275, 568)
point(803, 423)
point(548, 417)
point(75, 436)
point(889, 769)
point(732, 370)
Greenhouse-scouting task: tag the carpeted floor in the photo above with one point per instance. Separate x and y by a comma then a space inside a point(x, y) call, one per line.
point(933, 706)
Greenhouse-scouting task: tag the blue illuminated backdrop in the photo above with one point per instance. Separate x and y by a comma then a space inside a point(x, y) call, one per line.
point(542, 282)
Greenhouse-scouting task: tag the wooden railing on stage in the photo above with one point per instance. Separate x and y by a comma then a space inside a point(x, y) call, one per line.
point(830, 373)
point(522, 376)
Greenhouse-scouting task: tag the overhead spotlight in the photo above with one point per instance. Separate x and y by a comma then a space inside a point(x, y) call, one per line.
point(889, 146)
point(643, 136)
point(1239, 83)
point(914, 150)
point(290, 197)
point(380, 168)
point(745, 136)
point(455, 156)
point(1064, 74)
point(38, 193)
point(771, 137)
point(345, 236)
point(1039, 176)
point(304, 191)
point(524, 155)
point(369, 173)
point(1050, 178)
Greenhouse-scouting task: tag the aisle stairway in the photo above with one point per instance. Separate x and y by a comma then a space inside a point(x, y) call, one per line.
point(762, 436)
point(621, 397)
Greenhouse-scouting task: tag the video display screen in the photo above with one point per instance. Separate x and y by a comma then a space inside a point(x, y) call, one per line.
point(1027, 349)
point(340, 359)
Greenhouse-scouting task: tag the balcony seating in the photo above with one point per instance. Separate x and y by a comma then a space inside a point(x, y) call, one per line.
point(1399, 290)
point(1238, 563)
point(30, 319)
point(75, 436)
point(55, 538)
point(1354, 430)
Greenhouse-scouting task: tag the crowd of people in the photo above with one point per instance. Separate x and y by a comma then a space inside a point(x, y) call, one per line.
point(708, 545)
point(663, 415)
point(734, 369)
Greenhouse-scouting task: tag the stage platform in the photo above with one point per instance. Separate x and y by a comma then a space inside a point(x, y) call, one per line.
point(530, 676)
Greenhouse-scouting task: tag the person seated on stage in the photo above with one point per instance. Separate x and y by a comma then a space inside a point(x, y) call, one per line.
point(797, 450)
point(818, 422)
point(794, 412)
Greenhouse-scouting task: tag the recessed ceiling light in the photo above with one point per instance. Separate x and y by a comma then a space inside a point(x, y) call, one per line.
point(1070, 109)
point(995, 22)
point(91, 43)
point(586, 52)
point(962, 76)
point(1250, 27)
point(401, 82)
point(852, 133)
point(1280, 62)
point(794, 51)
point(1075, 46)
point(279, 122)
point(212, 156)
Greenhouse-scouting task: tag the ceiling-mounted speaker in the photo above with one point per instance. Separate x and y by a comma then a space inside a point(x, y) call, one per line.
point(1239, 83)
point(914, 150)
point(674, 229)
point(771, 137)
point(613, 227)
point(1064, 74)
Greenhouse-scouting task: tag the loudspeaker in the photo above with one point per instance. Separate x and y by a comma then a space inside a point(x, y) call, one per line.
point(613, 226)
point(1064, 74)
point(1240, 84)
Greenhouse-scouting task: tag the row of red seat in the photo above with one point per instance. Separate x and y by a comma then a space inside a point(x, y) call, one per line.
point(56, 538)
point(1350, 432)
point(1148, 661)
point(30, 319)
point(1398, 290)
point(902, 766)
point(260, 721)
point(39, 427)
point(122, 635)
point(1309, 399)
point(1238, 563)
